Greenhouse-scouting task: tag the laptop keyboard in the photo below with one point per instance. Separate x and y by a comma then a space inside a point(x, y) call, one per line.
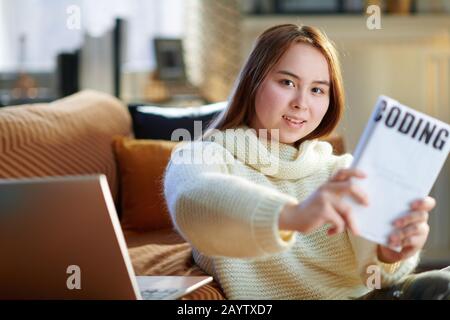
point(160, 294)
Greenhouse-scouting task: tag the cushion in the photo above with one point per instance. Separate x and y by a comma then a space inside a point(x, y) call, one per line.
point(141, 166)
point(151, 122)
point(71, 136)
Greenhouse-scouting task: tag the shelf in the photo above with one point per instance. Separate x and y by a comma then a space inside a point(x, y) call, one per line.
point(354, 27)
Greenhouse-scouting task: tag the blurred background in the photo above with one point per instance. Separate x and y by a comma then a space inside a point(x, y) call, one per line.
point(189, 52)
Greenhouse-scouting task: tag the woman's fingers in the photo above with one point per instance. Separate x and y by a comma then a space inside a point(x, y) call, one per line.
point(334, 218)
point(413, 226)
point(415, 241)
point(350, 188)
point(345, 211)
point(413, 217)
point(345, 174)
point(425, 204)
point(340, 215)
point(400, 235)
point(338, 224)
point(410, 225)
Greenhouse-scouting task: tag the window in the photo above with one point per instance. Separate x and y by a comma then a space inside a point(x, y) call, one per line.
point(33, 32)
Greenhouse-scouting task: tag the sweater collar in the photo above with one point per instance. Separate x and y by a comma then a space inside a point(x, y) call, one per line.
point(272, 158)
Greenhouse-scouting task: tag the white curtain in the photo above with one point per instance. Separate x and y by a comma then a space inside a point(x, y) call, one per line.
point(44, 24)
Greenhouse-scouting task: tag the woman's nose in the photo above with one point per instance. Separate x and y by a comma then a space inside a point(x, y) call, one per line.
point(299, 106)
point(299, 102)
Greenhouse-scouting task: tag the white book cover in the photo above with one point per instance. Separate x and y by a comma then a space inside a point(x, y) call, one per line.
point(402, 152)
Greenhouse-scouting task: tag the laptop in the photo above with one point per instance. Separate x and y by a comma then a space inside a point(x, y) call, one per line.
point(60, 238)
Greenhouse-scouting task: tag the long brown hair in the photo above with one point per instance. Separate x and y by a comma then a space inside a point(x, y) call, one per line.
point(268, 50)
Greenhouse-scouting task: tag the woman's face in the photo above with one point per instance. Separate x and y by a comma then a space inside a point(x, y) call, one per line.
point(295, 95)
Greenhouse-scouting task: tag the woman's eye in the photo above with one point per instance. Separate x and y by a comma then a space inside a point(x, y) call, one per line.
point(318, 90)
point(288, 82)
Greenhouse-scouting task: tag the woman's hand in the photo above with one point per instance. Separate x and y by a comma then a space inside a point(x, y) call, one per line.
point(411, 232)
point(326, 206)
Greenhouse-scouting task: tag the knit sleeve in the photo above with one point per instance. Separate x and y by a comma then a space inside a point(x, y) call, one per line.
point(218, 213)
point(366, 251)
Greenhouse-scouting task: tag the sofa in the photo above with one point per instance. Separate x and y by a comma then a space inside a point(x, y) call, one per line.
point(91, 133)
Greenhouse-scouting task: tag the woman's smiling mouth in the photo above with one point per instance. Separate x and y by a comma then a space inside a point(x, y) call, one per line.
point(294, 122)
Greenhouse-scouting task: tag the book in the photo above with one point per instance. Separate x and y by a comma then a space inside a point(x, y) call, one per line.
point(402, 151)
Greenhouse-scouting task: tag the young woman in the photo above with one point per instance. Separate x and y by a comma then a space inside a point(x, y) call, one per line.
point(284, 233)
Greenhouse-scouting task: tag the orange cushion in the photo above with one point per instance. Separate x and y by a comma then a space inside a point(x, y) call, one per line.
point(141, 166)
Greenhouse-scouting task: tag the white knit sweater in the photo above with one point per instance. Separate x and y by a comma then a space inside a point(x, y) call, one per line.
point(227, 206)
